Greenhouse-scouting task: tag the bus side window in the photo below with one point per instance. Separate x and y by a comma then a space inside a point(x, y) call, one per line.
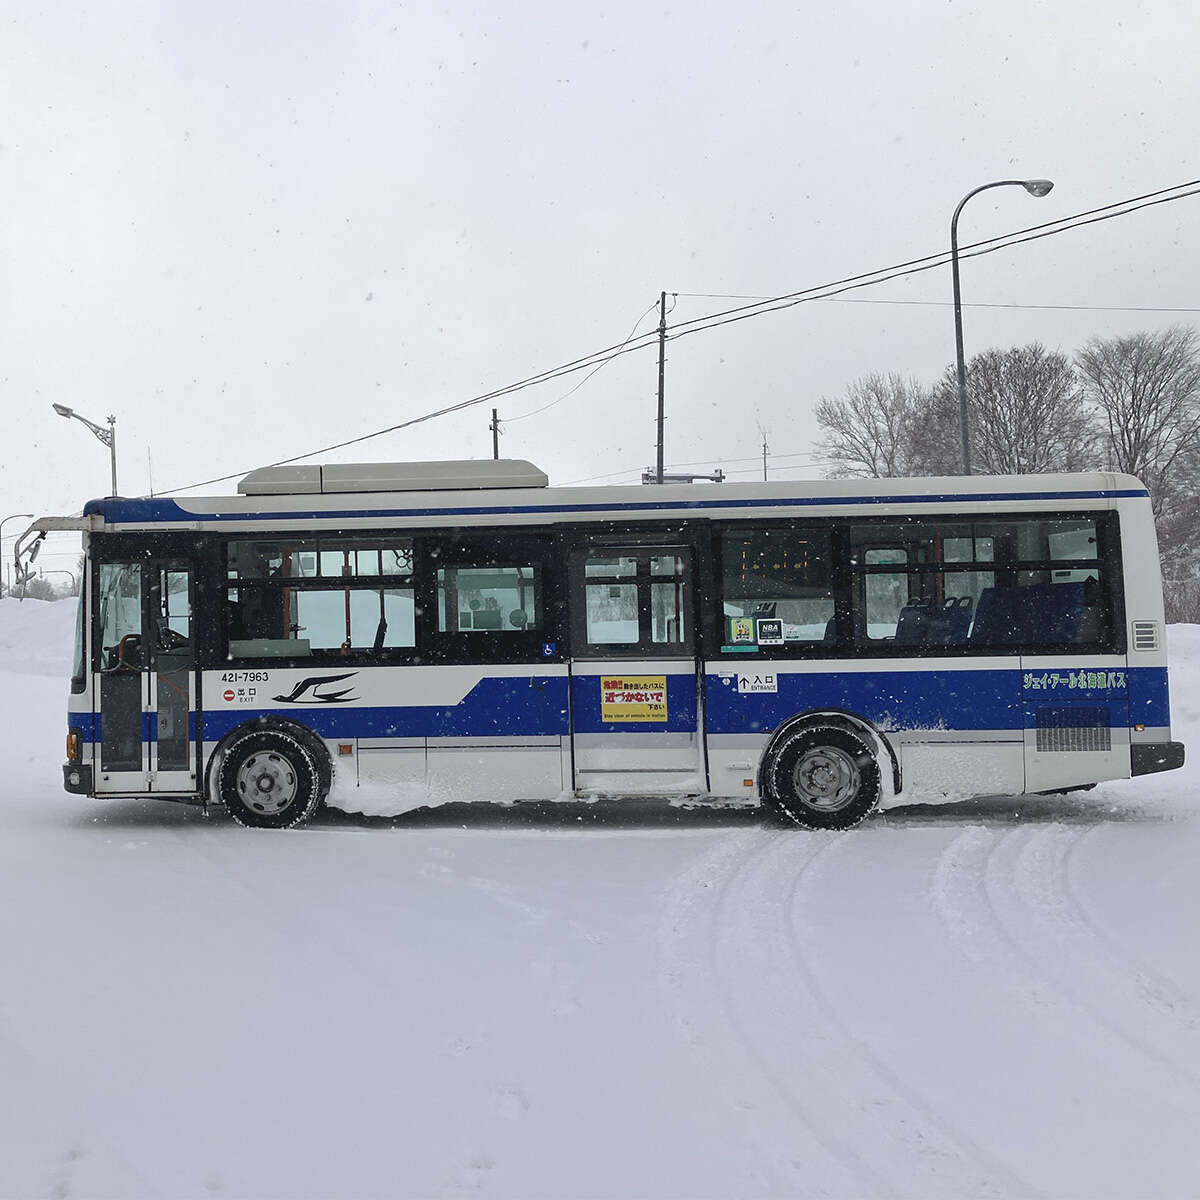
point(492, 599)
point(885, 594)
point(777, 587)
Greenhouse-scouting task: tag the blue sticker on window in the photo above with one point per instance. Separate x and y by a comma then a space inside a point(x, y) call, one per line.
point(548, 649)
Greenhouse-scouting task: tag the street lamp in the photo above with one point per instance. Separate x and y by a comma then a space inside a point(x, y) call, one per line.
point(1035, 187)
point(107, 436)
point(69, 574)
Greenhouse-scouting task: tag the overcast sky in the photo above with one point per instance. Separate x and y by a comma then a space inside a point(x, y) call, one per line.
point(249, 230)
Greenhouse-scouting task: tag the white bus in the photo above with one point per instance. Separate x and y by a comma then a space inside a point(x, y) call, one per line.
point(461, 631)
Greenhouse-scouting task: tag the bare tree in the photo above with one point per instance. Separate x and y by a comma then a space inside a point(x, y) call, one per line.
point(1147, 386)
point(37, 588)
point(1026, 411)
point(869, 432)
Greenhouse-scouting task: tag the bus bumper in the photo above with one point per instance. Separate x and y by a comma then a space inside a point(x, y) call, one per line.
point(1147, 757)
point(77, 779)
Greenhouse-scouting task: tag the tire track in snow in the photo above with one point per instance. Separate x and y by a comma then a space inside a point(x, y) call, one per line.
point(953, 1157)
point(778, 1017)
point(796, 1152)
point(1014, 922)
point(1159, 990)
point(1064, 945)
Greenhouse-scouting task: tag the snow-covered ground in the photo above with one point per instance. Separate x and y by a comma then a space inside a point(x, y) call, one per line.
point(999, 998)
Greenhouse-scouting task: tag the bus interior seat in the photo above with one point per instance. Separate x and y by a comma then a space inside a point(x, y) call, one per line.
point(924, 623)
point(913, 625)
point(953, 621)
point(860, 629)
point(1043, 612)
point(993, 624)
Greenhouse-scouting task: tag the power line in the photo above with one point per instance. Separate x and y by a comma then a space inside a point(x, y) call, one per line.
point(565, 395)
point(1002, 242)
point(1131, 308)
point(731, 316)
point(1122, 308)
point(943, 256)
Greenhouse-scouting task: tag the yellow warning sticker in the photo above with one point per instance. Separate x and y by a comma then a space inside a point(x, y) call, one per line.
point(633, 698)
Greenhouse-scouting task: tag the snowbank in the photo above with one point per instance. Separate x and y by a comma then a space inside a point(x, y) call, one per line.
point(37, 636)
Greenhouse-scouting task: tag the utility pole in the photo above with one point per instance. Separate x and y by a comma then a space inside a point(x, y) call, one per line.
point(764, 459)
point(662, 362)
point(495, 435)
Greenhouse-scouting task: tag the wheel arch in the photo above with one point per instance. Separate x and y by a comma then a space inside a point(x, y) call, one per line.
point(305, 736)
point(839, 718)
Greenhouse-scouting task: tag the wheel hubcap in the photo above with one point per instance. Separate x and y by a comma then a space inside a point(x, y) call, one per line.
point(267, 783)
point(827, 779)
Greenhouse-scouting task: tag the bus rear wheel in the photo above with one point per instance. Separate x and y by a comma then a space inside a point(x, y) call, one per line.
point(823, 777)
point(268, 780)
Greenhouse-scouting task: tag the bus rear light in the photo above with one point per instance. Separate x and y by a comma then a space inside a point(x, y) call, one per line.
point(73, 745)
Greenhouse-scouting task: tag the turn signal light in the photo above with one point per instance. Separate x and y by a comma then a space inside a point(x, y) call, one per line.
point(73, 745)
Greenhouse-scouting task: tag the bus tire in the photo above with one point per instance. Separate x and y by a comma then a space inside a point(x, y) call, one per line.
point(268, 780)
point(822, 777)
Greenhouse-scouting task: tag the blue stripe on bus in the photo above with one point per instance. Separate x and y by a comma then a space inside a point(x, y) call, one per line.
point(144, 511)
point(892, 699)
point(889, 699)
point(938, 699)
point(89, 725)
point(494, 707)
point(1149, 697)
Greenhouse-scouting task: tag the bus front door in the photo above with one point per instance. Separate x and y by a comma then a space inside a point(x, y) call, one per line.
point(635, 700)
point(146, 679)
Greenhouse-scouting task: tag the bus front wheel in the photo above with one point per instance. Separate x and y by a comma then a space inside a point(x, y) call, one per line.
point(823, 777)
point(269, 780)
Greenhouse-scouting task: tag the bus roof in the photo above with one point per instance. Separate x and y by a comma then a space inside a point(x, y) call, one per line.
point(512, 502)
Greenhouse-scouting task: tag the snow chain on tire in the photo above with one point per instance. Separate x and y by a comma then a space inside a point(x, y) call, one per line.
point(823, 777)
point(268, 779)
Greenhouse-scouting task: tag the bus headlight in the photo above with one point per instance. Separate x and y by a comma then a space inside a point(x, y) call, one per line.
point(73, 745)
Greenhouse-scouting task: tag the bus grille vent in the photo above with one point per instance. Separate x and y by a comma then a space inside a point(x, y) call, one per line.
point(1145, 635)
point(1073, 729)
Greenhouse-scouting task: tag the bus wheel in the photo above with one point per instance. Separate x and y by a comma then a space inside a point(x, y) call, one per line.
point(269, 780)
point(823, 777)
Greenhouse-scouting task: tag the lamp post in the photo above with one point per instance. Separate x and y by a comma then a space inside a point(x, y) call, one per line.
point(1035, 187)
point(107, 436)
point(69, 574)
